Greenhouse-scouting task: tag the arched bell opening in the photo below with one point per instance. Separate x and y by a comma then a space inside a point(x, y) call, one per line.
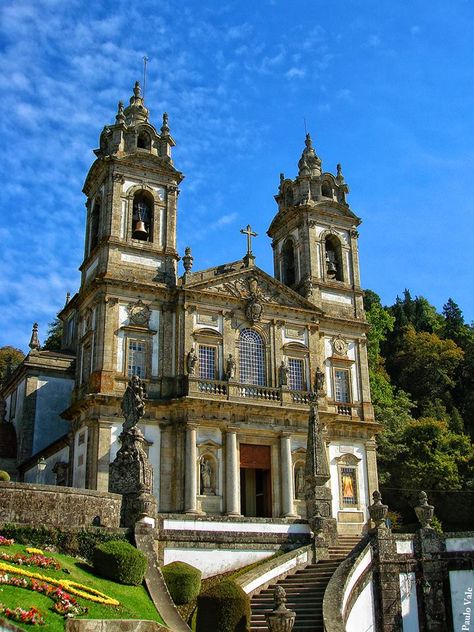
point(326, 190)
point(142, 218)
point(144, 141)
point(288, 263)
point(333, 249)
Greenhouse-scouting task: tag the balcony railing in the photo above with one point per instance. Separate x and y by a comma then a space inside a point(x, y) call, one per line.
point(278, 396)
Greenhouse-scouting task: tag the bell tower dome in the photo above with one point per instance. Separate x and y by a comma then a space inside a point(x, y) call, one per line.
point(131, 203)
point(314, 238)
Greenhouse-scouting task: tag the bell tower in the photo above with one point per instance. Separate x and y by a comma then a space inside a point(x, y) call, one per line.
point(314, 238)
point(131, 203)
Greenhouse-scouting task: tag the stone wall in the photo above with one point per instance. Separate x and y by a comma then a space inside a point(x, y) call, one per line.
point(57, 506)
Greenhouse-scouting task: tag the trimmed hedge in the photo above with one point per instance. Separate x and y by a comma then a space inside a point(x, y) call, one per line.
point(4, 476)
point(183, 581)
point(120, 561)
point(74, 542)
point(224, 607)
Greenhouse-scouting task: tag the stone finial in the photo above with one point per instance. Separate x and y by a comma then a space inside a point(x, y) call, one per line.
point(378, 511)
point(280, 619)
point(137, 91)
point(68, 298)
point(309, 164)
point(339, 176)
point(187, 259)
point(133, 403)
point(34, 344)
point(165, 130)
point(424, 511)
point(120, 118)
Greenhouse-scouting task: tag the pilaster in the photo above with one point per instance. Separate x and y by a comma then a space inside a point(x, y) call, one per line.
point(232, 474)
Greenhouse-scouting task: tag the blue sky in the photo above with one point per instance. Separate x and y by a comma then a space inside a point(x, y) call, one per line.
point(385, 88)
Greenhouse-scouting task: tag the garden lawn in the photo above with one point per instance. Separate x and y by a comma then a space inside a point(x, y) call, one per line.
point(135, 602)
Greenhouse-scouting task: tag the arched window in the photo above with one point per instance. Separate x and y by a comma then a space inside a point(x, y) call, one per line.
point(142, 217)
point(144, 140)
point(252, 358)
point(94, 226)
point(289, 196)
point(288, 263)
point(326, 190)
point(333, 258)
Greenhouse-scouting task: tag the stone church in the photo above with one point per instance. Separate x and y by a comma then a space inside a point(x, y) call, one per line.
point(228, 354)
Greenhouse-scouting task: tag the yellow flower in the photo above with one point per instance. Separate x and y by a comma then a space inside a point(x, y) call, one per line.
point(73, 587)
point(32, 550)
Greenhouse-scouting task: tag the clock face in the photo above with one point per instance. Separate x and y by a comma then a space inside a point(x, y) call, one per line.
point(340, 346)
point(139, 313)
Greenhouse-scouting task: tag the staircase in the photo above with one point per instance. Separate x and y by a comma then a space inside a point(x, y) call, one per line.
point(304, 590)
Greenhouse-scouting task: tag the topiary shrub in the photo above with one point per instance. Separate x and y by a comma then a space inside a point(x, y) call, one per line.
point(183, 581)
point(4, 476)
point(120, 561)
point(224, 607)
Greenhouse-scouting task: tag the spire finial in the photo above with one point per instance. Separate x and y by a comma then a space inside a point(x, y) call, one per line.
point(137, 90)
point(120, 118)
point(339, 177)
point(68, 298)
point(34, 340)
point(165, 130)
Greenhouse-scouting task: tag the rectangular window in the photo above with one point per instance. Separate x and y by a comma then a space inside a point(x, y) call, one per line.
point(348, 486)
point(207, 362)
point(341, 386)
point(296, 374)
point(136, 358)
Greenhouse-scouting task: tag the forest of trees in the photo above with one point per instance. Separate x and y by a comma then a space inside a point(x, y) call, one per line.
point(421, 367)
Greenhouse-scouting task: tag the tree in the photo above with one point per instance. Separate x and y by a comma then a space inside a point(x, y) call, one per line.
point(435, 457)
point(55, 334)
point(10, 358)
point(453, 327)
point(426, 366)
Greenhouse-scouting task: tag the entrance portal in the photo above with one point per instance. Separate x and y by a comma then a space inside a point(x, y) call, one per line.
point(255, 481)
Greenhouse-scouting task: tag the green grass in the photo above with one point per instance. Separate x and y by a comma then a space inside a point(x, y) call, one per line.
point(135, 602)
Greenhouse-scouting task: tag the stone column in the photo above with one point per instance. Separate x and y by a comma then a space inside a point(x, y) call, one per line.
point(287, 492)
point(190, 479)
point(232, 474)
point(372, 477)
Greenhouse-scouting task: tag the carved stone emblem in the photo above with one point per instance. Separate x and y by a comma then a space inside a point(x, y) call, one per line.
point(339, 346)
point(139, 313)
point(254, 309)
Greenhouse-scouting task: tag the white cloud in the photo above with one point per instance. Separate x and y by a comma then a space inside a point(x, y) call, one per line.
point(295, 73)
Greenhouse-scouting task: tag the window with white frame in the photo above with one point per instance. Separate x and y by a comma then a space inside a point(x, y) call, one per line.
point(136, 357)
point(296, 374)
point(341, 386)
point(207, 362)
point(252, 357)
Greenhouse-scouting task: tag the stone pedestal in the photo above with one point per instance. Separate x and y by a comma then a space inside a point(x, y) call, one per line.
point(132, 476)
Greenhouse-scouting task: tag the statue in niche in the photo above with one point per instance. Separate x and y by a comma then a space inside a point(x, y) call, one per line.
point(283, 374)
point(133, 403)
point(230, 368)
point(191, 361)
point(206, 477)
point(319, 382)
point(299, 482)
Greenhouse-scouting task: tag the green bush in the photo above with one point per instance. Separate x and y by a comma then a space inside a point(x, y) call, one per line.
point(75, 542)
point(120, 561)
point(4, 476)
point(183, 581)
point(224, 607)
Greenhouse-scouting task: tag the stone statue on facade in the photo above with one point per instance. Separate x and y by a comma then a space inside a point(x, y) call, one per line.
point(191, 361)
point(230, 367)
point(283, 374)
point(319, 380)
point(131, 473)
point(133, 403)
point(299, 482)
point(206, 477)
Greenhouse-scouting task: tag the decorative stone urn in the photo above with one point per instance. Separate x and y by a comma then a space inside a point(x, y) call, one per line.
point(280, 619)
point(424, 511)
point(378, 511)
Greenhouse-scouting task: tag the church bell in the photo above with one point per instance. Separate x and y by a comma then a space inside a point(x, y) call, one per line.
point(140, 231)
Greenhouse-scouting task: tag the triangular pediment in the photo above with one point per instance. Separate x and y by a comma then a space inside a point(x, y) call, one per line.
point(247, 283)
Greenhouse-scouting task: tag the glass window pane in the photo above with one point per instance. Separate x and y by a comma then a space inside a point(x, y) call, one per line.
point(341, 384)
point(296, 376)
point(348, 486)
point(136, 358)
point(252, 358)
point(207, 362)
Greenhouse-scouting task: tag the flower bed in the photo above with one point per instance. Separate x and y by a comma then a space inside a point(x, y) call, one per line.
point(36, 559)
point(74, 587)
point(6, 541)
point(64, 603)
point(31, 616)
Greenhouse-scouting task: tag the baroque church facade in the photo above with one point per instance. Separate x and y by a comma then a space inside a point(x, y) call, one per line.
point(228, 355)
